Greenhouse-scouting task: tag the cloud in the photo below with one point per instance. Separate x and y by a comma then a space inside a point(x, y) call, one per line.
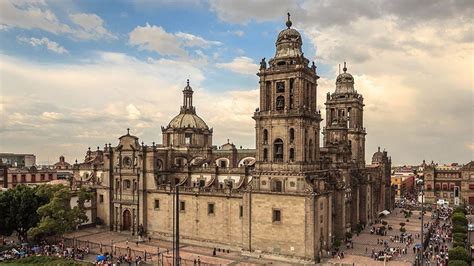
point(91, 27)
point(41, 104)
point(30, 15)
point(191, 40)
point(155, 38)
point(241, 65)
point(36, 14)
point(50, 45)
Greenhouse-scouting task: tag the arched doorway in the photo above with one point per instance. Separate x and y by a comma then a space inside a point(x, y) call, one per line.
point(126, 220)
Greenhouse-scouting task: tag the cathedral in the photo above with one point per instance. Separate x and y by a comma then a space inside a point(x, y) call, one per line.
point(291, 196)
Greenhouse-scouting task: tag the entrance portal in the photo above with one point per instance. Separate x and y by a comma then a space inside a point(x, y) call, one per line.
point(126, 220)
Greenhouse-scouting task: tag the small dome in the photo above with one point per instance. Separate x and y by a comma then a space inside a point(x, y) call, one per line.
point(378, 156)
point(289, 42)
point(188, 120)
point(345, 82)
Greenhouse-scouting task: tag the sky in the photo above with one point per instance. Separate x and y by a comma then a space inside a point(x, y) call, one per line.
point(77, 74)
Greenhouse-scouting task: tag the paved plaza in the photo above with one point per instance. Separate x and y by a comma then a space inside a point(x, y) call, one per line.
point(367, 241)
point(188, 253)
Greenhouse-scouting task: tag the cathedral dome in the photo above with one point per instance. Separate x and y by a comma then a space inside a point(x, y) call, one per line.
point(378, 156)
point(187, 117)
point(289, 42)
point(188, 120)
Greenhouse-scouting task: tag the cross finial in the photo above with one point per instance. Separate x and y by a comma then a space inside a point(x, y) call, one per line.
point(128, 131)
point(345, 68)
point(227, 140)
point(288, 22)
point(187, 81)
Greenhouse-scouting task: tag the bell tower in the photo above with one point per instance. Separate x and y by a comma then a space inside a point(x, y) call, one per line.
point(287, 121)
point(346, 106)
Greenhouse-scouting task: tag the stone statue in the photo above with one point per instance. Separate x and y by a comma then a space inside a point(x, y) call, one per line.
point(263, 64)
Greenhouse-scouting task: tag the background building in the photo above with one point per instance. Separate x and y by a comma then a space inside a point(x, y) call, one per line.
point(18, 160)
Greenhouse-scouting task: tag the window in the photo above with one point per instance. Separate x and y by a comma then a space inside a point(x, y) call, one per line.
point(14, 180)
point(277, 186)
point(187, 138)
point(265, 136)
point(321, 206)
point(23, 178)
point(292, 87)
point(42, 177)
point(428, 187)
point(202, 183)
point(280, 103)
point(101, 198)
point(182, 206)
point(127, 183)
point(292, 155)
point(223, 163)
point(210, 208)
point(276, 216)
point(265, 155)
point(471, 186)
point(321, 219)
point(241, 211)
point(292, 135)
point(437, 187)
point(278, 150)
point(451, 186)
point(50, 176)
point(157, 204)
point(292, 184)
point(445, 186)
point(280, 87)
point(33, 178)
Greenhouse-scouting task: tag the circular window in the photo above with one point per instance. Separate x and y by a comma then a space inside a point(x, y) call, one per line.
point(292, 184)
point(264, 183)
point(127, 162)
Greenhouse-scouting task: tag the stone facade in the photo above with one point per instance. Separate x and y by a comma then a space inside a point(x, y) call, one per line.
point(441, 181)
point(288, 197)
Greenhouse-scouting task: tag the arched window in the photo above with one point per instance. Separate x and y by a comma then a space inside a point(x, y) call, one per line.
point(265, 155)
point(310, 149)
point(278, 150)
point(280, 103)
point(265, 136)
point(277, 186)
point(292, 155)
point(292, 135)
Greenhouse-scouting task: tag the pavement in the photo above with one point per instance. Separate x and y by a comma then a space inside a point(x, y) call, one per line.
point(358, 255)
point(95, 238)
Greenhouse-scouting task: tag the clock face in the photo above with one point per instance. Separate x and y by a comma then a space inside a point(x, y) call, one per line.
point(127, 162)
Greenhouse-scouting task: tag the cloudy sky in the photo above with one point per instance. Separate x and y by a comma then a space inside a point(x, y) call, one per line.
point(75, 74)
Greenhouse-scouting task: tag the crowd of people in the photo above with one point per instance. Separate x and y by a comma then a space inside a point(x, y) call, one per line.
point(43, 249)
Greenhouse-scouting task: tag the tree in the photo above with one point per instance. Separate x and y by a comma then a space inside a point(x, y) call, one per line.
point(57, 216)
point(459, 219)
point(458, 253)
point(18, 210)
point(457, 263)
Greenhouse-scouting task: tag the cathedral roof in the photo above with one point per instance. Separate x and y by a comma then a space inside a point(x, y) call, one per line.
point(188, 120)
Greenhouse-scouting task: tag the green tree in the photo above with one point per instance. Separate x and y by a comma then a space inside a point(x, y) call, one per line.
point(459, 219)
point(459, 253)
point(18, 210)
point(57, 216)
point(457, 263)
